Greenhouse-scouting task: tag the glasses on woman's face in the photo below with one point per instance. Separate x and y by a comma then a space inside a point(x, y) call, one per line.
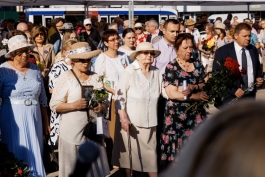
point(114, 39)
point(152, 53)
point(19, 52)
point(138, 28)
point(81, 60)
point(40, 34)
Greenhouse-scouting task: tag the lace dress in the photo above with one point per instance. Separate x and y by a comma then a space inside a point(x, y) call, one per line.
point(21, 125)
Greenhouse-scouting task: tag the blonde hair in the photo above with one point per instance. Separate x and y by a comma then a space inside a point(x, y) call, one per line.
point(67, 35)
point(229, 144)
point(67, 46)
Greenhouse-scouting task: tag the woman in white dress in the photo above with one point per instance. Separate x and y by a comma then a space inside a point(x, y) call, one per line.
point(67, 100)
point(206, 57)
point(109, 65)
point(128, 37)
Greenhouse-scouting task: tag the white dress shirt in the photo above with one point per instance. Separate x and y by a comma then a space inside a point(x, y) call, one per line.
point(138, 95)
point(250, 71)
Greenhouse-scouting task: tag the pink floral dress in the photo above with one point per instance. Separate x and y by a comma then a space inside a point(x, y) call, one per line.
point(178, 124)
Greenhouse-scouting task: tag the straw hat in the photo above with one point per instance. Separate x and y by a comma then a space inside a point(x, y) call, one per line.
point(17, 42)
point(144, 46)
point(82, 50)
point(68, 26)
point(219, 26)
point(190, 22)
point(138, 25)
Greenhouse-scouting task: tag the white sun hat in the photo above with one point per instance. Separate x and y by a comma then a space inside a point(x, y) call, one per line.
point(17, 42)
point(144, 46)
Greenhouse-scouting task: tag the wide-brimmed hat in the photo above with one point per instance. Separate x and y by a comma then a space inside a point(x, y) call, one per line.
point(219, 26)
point(87, 21)
point(68, 26)
point(144, 46)
point(17, 42)
point(190, 22)
point(138, 25)
point(82, 50)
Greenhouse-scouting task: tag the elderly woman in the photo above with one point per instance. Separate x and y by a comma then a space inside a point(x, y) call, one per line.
point(138, 91)
point(128, 37)
point(110, 65)
point(179, 122)
point(140, 36)
point(67, 100)
point(23, 110)
point(58, 69)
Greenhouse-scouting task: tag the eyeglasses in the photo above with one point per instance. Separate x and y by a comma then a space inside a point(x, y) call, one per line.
point(39, 34)
point(19, 52)
point(138, 28)
point(88, 25)
point(81, 60)
point(114, 39)
point(148, 52)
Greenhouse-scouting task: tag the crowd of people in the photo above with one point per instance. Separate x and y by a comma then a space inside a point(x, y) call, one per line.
point(152, 72)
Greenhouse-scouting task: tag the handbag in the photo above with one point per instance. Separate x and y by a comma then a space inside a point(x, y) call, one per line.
point(90, 130)
point(50, 157)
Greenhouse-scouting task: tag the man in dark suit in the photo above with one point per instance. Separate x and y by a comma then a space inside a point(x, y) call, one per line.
point(154, 30)
point(247, 57)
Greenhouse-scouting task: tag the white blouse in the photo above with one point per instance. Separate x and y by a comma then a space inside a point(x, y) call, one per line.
point(139, 95)
point(110, 68)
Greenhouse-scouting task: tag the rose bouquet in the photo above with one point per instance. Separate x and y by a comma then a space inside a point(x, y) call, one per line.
point(80, 32)
point(208, 44)
point(219, 83)
point(10, 165)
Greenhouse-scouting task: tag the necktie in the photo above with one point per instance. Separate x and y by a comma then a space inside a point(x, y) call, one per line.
point(245, 65)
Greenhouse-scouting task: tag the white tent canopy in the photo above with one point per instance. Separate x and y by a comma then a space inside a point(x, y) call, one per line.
point(124, 2)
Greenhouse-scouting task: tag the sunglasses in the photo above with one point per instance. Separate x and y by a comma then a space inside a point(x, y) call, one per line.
point(40, 34)
point(88, 25)
point(114, 39)
point(81, 60)
point(21, 51)
point(148, 52)
point(138, 28)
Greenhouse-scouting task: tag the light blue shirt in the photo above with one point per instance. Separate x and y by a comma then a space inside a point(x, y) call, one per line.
point(168, 53)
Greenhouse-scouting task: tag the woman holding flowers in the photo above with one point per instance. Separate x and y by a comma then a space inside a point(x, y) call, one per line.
point(179, 121)
point(206, 47)
point(67, 100)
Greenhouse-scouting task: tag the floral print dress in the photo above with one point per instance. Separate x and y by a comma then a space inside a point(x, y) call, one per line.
point(178, 124)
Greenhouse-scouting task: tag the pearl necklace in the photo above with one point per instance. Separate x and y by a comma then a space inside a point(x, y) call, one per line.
point(185, 65)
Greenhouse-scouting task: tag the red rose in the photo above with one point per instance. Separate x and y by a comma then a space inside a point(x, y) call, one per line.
point(20, 172)
point(243, 71)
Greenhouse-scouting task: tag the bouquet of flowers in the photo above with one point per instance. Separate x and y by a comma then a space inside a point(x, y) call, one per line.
point(208, 44)
point(98, 97)
point(10, 165)
point(80, 32)
point(4, 44)
point(219, 83)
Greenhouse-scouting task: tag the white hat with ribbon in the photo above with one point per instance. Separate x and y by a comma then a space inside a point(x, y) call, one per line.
point(82, 50)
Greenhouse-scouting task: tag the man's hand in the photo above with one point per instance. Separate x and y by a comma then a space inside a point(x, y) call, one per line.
point(259, 81)
point(239, 93)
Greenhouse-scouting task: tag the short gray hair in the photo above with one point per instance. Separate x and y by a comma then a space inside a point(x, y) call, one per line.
point(112, 25)
point(126, 23)
point(153, 23)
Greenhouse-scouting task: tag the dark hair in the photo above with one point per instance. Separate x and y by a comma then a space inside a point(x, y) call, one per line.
point(182, 37)
point(204, 15)
point(21, 14)
point(242, 26)
point(36, 30)
point(126, 31)
point(10, 20)
point(174, 21)
point(16, 32)
point(60, 19)
point(106, 34)
point(223, 32)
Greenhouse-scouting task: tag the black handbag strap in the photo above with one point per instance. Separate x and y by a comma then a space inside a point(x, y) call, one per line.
point(76, 77)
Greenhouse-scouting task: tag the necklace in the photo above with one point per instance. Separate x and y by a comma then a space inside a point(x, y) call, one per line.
point(24, 75)
point(184, 65)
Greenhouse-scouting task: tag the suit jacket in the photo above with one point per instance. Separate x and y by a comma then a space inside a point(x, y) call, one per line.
point(228, 50)
point(149, 37)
